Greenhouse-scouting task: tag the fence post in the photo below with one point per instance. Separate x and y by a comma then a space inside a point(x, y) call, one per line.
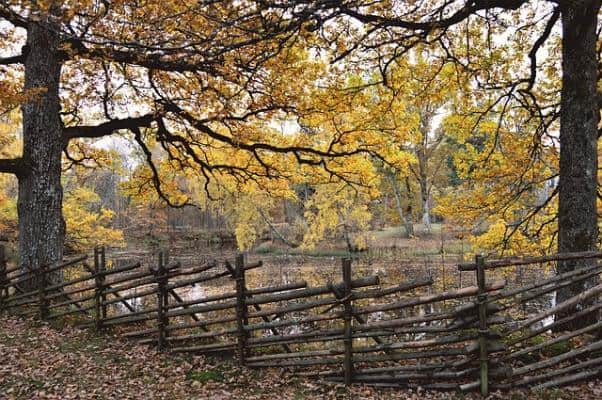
point(241, 308)
point(97, 291)
point(483, 330)
point(3, 278)
point(348, 316)
point(103, 296)
point(42, 284)
point(162, 301)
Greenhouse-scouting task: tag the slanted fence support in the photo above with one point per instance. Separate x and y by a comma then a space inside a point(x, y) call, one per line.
point(42, 284)
point(483, 329)
point(347, 317)
point(241, 308)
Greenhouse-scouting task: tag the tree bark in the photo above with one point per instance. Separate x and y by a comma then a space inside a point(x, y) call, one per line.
point(41, 224)
point(577, 215)
point(405, 219)
point(424, 190)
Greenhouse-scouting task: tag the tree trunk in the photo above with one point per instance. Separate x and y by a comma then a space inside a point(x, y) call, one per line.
point(424, 195)
point(410, 196)
point(577, 217)
point(41, 224)
point(405, 219)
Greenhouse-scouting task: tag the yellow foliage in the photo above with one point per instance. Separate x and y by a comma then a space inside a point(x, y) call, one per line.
point(338, 210)
point(87, 224)
point(10, 146)
point(507, 192)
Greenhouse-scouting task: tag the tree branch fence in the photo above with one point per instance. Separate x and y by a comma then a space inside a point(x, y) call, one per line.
point(484, 337)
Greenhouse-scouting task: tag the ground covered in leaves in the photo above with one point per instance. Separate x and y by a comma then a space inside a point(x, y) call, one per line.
point(38, 361)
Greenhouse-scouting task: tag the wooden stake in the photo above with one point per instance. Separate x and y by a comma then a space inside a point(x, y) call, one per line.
point(483, 331)
point(241, 308)
point(162, 302)
point(3, 279)
point(102, 269)
point(348, 316)
point(97, 291)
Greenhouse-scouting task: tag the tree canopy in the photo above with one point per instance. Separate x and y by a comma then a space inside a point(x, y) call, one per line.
point(201, 89)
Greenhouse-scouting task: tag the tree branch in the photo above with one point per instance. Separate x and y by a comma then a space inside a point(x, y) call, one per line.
point(109, 127)
point(298, 151)
point(153, 62)
point(9, 15)
point(156, 180)
point(538, 43)
point(19, 59)
point(428, 26)
point(15, 166)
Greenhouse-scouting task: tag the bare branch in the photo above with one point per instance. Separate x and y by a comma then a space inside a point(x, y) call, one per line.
point(156, 180)
point(538, 43)
point(428, 26)
point(9, 15)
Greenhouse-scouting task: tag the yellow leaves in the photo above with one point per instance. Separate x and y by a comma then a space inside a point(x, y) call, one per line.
point(10, 147)
point(87, 224)
point(247, 220)
point(8, 208)
point(337, 211)
point(506, 187)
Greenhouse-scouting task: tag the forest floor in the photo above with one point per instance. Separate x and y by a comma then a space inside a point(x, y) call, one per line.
point(39, 361)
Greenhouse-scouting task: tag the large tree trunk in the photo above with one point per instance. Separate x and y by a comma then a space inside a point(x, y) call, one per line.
point(578, 227)
point(41, 224)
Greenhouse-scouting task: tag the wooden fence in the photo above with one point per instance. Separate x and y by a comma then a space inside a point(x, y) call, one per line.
point(489, 335)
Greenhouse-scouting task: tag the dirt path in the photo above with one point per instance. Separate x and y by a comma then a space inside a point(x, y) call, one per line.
point(38, 361)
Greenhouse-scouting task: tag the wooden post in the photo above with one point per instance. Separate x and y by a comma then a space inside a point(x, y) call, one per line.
point(348, 316)
point(98, 289)
point(257, 307)
point(103, 296)
point(3, 277)
point(162, 302)
point(42, 284)
point(241, 308)
point(483, 330)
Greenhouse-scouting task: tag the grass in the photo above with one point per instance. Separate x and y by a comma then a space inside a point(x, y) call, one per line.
point(89, 343)
point(211, 375)
point(390, 241)
point(557, 348)
point(274, 250)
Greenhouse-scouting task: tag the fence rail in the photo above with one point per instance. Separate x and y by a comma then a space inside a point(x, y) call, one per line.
point(354, 330)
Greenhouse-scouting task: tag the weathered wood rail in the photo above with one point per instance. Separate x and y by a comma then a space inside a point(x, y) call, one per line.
point(352, 331)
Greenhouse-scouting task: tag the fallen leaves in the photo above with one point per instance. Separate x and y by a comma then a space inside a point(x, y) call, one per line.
point(39, 362)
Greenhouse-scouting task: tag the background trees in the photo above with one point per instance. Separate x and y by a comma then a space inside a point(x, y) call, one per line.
point(506, 47)
point(166, 74)
point(201, 90)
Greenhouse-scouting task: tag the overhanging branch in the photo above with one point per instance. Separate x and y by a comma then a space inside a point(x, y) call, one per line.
point(109, 127)
point(298, 151)
point(436, 23)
